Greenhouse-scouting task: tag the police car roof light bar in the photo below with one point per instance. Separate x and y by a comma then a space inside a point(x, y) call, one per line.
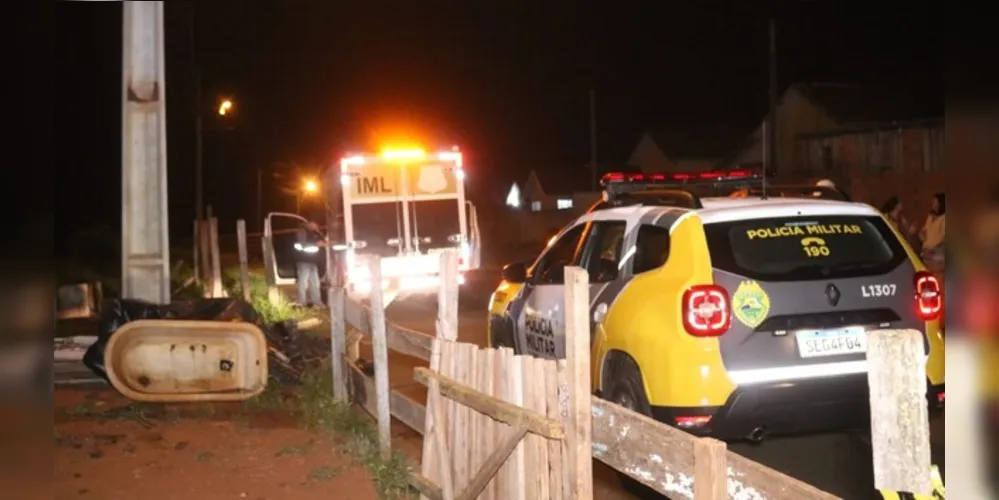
point(738, 174)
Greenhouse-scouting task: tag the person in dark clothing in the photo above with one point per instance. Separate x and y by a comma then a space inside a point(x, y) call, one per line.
point(308, 243)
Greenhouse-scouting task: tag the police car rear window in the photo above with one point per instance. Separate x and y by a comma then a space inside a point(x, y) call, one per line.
point(804, 248)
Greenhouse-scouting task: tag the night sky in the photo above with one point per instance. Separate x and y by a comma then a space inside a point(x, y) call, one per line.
point(506, 81)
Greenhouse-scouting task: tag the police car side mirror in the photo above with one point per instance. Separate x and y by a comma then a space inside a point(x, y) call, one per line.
point(515, 273)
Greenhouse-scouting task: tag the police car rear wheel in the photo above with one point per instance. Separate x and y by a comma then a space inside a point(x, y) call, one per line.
point(625, 389)
point(625, 385)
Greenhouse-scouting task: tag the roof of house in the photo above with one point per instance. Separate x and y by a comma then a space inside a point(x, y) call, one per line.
point(851, 104)
point(701, 143)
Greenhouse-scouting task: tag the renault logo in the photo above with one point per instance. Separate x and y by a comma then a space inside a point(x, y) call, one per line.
point(832, 294)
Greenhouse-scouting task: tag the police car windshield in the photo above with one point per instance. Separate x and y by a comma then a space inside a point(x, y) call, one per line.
point(804, 248)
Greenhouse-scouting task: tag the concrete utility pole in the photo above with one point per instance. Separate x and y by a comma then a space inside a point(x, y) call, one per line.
point(770, 154)
point(145, 240)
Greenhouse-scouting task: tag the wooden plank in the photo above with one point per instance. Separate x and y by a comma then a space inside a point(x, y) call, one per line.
point(577, 349)
point(425, 486)
point(443, 454)
point(400, 339)
point(244, 266)
point(447, 434)
point(380, 353)
point(463, 414)
point(338, 339)
point(408, 411)
point(213, 224)
point(475, 418)
point(555, 466)
point(530, 455)
point(662, 457)
point(485, 441)
point(502, 360)
point(710, 470)
point(496, 408)
point(449, 362)
point(436, 456)
point(362, 388)
point(515, 396)
point(538, 404)
point(900, 427)
point(447, 297)
point(495, 461)
point(562, 374)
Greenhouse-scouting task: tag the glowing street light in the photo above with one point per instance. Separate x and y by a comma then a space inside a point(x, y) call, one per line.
point(310, 186)
point(224, 107)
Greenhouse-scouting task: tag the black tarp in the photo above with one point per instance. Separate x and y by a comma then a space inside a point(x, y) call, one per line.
point(285, 359)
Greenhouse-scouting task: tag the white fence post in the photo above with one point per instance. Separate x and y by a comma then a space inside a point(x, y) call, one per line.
point(380, 348)
point(577, 355)
point(900, 426)
point(244, 265)
point(435, 446)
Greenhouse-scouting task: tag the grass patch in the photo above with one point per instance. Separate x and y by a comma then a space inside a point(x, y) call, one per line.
point(324, 473)
point(319, 411)
point(272, 399)
point(295, 451)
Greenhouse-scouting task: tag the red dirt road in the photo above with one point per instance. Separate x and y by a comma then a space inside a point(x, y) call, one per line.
point(193, 452)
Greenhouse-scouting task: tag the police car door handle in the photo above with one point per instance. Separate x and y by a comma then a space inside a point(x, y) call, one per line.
point(599, 313)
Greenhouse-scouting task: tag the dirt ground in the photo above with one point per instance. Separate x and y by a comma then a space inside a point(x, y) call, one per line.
point(107, 449)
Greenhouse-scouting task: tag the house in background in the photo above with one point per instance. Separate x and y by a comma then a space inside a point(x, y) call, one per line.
point(880, 160)
point(809, 108)
point(559, 190)
point(684, 149)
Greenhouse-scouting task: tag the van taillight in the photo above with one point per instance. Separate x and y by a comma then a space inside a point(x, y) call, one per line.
point(929, 300)
point(706, 311)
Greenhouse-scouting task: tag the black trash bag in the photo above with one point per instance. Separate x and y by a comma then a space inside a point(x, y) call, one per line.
point(285, 360)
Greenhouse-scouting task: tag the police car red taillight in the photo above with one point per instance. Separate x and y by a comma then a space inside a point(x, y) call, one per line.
point(929, 300)
point(706, 311)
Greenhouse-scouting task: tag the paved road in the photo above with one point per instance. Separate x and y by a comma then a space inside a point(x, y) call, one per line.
point(839, 463)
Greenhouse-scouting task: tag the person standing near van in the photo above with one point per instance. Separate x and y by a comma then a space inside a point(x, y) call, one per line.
point(933, 233)
point(892, 210)
point(308, 242)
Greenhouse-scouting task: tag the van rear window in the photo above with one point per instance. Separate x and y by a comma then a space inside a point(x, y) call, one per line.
point(804, 248)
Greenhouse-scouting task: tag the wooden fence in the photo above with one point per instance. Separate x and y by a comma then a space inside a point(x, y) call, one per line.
point(499, 425)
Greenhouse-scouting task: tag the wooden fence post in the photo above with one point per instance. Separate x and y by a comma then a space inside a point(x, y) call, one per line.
point(380, 348)
point(204, 241)
point(710, 470)
point(577, 355)
point(435, 445)
point(213, 224)
point(338, 325)
point(900, 427)
point(244, 266)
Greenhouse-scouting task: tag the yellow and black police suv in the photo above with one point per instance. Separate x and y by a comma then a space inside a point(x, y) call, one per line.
point(730, 316)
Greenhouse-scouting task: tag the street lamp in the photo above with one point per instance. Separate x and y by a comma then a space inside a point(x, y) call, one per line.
point(224, 107)
point(309, 188)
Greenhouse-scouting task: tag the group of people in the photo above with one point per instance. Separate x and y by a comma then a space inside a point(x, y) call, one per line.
point(927, 240)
